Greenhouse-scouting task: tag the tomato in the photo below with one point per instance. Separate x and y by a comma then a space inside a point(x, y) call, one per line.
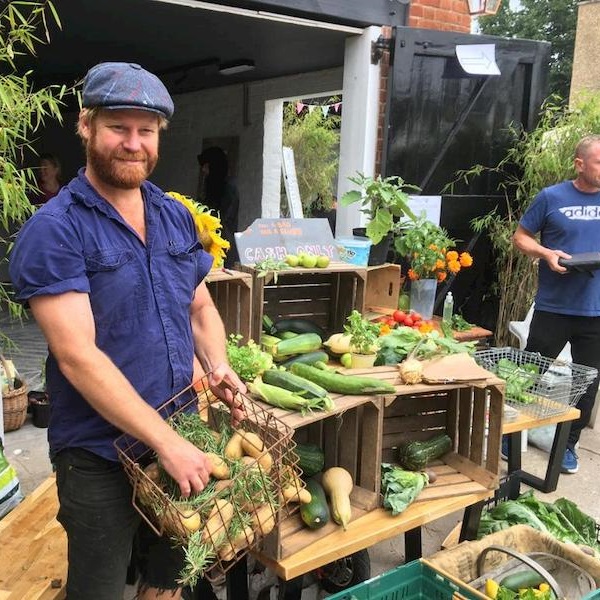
point(399, 316)
point(391, 322)
point(408, 322)
point(416, 323)
point(416, 316)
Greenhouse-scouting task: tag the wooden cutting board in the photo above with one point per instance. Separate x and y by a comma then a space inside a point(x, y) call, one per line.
point(453, 368)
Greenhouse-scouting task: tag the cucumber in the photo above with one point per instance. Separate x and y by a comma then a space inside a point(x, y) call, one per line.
point(315, 513)
point(528, 578)
point(311, 459)
point(298, 326)
point(307, 342)
point(293, 383)
point(342, 384)
point(310, 358)
point(416, 455)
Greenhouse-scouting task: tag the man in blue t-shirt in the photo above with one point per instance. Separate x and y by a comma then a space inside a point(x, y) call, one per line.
point(113, 271)
point(567, 303)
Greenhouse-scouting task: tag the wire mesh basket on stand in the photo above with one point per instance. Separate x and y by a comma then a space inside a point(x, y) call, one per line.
point(246, 496)
point(539, 386)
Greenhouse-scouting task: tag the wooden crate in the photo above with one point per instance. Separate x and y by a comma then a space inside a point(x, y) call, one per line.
point(325, 296)
point(384, 283)
point(471, 416)
point(231, 292)
point(350, 438)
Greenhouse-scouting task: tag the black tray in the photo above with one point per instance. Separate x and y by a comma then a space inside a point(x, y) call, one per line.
point(586, 261)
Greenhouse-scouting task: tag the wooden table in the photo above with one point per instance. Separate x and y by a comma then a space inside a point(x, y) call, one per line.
point(524, 421)
point(33, 548)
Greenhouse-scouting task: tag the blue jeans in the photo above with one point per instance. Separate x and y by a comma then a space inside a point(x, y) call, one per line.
point(101, 524)
point(548, 334)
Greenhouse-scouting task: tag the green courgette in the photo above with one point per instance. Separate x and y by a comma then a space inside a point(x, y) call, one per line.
point(310, 358)
point(294, 383)
point(306, 342)
point(287, 335)
point(315, 513)
point(298, 326)
point(416, 455)
point(311, 459)
point(342, 384)
point(527, 578)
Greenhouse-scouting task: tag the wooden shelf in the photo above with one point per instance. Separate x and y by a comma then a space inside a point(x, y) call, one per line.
point(364, 531)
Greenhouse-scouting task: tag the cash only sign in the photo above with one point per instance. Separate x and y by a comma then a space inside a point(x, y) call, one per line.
point(276, 238)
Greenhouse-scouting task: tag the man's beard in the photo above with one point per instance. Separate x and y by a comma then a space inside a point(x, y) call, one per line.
point(112, 170)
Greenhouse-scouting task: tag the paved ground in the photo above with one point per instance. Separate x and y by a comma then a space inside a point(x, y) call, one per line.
point(27, 450)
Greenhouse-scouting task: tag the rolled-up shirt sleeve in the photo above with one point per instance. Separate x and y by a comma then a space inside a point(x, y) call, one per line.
point(47, 259)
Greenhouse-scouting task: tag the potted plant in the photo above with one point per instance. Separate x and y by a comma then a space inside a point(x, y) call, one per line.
point(385, 201)
point(431, 255)
point(364, 337)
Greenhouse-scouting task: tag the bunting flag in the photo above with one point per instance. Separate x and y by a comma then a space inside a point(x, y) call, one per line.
point(325, 108)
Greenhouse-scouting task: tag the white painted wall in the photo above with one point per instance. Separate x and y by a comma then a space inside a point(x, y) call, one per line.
point(359, 123)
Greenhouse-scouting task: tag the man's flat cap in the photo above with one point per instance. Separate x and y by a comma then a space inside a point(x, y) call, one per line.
point(126, 85)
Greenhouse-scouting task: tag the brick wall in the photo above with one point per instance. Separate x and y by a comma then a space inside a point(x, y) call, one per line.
point(443, 15)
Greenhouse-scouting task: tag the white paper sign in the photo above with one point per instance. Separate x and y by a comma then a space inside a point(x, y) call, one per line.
point(430, 205)
point(292, 191)
point(478, 59)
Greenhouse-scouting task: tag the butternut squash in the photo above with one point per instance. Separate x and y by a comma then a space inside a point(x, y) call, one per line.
point(338, 484)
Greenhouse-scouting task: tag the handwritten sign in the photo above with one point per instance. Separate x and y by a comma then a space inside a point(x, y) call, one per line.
point(276, 238)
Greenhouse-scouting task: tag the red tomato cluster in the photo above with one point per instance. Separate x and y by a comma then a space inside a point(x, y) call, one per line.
point(407, 319)
point(412, 319)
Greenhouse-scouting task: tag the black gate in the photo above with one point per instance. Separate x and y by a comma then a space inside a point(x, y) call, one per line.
point(441, 120)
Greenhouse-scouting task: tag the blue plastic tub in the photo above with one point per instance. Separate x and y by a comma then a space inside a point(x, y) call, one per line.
point(354, 250)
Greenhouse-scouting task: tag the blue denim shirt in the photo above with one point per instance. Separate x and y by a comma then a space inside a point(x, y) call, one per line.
point(140, 297)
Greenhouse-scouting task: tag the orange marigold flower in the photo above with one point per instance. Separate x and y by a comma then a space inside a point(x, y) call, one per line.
point(440, 264)
point(413, 275)
point(441, 275)
point(453, 266)
point(433, 247)
point(466, 260)
point(452, 255)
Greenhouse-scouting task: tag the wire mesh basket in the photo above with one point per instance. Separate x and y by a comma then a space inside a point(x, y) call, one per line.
point(246, 497)
point(539, 386)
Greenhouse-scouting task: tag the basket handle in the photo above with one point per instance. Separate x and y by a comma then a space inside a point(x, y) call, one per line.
point(526, 560)
point(11, 384)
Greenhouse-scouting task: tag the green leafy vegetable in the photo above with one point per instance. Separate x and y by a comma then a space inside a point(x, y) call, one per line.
point(248, 361)
point(400, 487)
point(269, 265)
point(561, 519)
point(459, 324)
point(519, 378)
point(400, 342)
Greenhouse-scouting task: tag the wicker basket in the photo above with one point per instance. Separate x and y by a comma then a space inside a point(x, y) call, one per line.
point(14, 401)
point(164, 514)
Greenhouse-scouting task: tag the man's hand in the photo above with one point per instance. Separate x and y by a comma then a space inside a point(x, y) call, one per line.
point(224, 383)
point(552, 257)
point(187, 465)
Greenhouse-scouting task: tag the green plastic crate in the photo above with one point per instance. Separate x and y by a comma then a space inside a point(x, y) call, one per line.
point(414, 581)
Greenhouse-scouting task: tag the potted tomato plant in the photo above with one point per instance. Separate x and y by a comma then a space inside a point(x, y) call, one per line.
point(364, 340)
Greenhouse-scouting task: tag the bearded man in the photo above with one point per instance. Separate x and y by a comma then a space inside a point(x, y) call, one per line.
point(113, 271)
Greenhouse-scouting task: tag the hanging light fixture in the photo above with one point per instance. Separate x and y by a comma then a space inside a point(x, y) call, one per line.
point(483, 7)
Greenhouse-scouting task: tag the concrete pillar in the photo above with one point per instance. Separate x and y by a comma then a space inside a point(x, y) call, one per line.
point(358, 139)
point(586, 59)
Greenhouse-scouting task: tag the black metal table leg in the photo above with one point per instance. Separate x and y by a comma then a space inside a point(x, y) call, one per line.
point(550, 481)
point(514, 452)
point(237, 581)
point(290, 590)
point(413, 547)
point(470, 523)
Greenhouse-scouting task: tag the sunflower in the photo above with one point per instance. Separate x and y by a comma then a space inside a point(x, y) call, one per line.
point(208, 227)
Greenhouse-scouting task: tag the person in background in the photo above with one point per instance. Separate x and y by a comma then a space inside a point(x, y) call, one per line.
point(220, 193)
point(48, 179)
point(567, 303)
point(113, 271)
